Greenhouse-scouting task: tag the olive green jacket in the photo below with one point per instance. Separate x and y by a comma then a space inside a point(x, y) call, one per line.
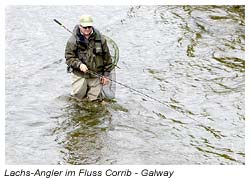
point(92, 52)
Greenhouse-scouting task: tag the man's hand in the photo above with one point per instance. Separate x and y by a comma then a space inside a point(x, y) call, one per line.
point(83, 68)
point(104, 80)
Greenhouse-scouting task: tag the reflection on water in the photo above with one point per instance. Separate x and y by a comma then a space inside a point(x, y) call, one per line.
point(82, 132)
point(190, 57)
point(84, 128)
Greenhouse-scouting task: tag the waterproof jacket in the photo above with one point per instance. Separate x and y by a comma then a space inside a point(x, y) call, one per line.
point(92, 52)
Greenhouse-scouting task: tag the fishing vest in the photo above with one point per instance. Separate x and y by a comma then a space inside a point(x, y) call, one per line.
point(91, 53)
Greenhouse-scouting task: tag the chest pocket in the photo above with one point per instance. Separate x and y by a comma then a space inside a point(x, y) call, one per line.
point(98, 48)
point(99, 55)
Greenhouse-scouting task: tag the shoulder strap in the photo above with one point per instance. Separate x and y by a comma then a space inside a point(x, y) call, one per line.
point(98, 35)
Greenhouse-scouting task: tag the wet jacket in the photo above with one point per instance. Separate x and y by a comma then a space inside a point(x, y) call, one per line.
point(92, 52)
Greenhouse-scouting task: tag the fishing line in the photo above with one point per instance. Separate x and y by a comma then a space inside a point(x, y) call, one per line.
point(141, 93)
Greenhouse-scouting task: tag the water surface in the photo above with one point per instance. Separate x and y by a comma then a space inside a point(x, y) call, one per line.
point(189, 57)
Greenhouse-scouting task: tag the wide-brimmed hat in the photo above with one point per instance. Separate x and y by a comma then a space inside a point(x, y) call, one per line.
point(86, 20)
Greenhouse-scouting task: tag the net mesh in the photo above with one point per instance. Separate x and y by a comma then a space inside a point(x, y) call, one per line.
point(108, 91)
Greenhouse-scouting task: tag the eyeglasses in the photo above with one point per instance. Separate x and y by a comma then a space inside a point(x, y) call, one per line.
point(86, 27)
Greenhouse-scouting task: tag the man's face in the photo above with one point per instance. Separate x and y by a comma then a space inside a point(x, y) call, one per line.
point(86, 30)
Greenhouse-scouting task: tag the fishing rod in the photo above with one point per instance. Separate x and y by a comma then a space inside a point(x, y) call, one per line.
point(124, 85)
point(60, 24)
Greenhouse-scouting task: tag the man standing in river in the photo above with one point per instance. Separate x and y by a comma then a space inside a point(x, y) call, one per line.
point(87, 53)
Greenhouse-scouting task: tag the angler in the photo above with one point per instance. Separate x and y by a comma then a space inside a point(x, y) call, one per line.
point(87, 50)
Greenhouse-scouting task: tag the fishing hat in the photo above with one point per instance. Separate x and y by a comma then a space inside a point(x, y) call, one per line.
point(86, 20)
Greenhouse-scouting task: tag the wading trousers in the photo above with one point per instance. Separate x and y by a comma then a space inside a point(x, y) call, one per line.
point(86, 87)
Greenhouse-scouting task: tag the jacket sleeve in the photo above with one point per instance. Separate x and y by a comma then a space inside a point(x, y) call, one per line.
point(106, 58)
point(71, 55)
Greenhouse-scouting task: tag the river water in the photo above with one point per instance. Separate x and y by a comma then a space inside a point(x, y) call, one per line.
point(189, 57)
